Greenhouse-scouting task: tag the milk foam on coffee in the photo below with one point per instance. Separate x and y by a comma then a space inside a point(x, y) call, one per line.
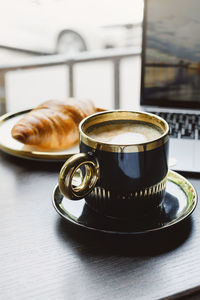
point(125, 133)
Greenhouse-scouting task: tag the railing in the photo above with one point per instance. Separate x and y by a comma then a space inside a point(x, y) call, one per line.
point(114, 55)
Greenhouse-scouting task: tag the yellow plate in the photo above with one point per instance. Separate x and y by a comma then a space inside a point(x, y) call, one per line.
point(15, 148)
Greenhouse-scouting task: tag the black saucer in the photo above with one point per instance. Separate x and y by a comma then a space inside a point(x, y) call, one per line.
point(179, 202)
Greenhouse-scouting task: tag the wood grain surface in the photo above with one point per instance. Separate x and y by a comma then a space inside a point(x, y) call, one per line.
point(44, 257)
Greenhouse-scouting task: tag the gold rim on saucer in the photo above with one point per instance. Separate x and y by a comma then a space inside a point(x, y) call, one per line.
point(179, 202)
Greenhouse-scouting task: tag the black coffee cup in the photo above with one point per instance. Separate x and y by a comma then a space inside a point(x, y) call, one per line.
point(118, 180)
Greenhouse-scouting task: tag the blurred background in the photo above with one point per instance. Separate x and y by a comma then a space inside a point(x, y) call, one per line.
point(50, 49)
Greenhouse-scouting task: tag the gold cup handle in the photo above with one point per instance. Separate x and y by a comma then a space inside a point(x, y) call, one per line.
point(69, 172)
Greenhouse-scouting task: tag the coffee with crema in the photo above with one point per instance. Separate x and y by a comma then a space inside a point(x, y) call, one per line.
point(125, 133)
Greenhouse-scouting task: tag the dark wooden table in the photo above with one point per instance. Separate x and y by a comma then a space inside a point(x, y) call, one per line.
point(44, 257)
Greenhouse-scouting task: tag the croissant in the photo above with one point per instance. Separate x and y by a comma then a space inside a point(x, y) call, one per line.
point(53, 125)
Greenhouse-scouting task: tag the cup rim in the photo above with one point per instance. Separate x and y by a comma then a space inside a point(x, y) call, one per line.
point(136, 147)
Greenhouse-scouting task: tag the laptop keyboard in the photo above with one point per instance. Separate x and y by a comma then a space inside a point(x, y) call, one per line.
point(182, 126)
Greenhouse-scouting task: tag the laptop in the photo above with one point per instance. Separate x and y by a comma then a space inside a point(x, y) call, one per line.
point(170, 77)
